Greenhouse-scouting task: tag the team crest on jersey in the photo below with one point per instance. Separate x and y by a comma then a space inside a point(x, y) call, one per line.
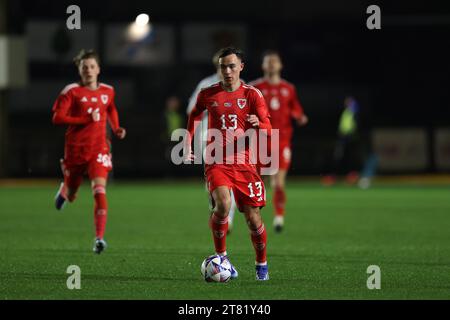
point(284, 92)
point(241, 103)
point(104, 98)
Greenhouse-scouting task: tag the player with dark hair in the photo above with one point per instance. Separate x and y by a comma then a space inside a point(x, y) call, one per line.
point(284, 106)
point(206, 82)
point(85, 107)
point(232, 107)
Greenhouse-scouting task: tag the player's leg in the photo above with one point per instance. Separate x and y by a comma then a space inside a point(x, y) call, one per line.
point(219, 222)
point(278, 182)
point(231, 212)
point(219, 217)
point(219, 183)
point(98, 174)
point(368, 171)
point(98, 185)
point(73, 176)
point(352, 161)
point(336, 164)
point(259, 239)
point(250, 197)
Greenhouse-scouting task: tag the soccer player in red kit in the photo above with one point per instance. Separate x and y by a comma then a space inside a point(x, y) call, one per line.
point(234, 107)
point(85, 107)
point(284, 106)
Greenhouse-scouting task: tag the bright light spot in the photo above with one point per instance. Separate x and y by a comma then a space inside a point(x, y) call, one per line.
point(142, 19)
point(137, 32)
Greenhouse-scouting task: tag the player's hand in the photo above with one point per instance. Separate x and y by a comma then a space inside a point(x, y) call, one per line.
point(253, 119)
point(120, 133)
point(303, 120)
point(188, 156)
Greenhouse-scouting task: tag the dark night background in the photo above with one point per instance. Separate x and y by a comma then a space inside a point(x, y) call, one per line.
point(399, 74)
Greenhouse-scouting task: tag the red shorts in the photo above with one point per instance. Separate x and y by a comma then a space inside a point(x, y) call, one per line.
point(247, 186)
point(284, 156)
point(98, 167)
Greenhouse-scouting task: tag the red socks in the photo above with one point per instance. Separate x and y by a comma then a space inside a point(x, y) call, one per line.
point(100, 210)
point(259, 239)
point(219, 227)
point(279, 201)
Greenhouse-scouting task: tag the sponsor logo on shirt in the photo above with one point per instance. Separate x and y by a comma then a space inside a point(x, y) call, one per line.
point(214, 104)
point(94, 99)
point(227, 104)
point(84, 99)
point(241, 103)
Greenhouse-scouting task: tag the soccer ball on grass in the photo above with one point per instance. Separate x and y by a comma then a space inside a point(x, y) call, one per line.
point(216, 268)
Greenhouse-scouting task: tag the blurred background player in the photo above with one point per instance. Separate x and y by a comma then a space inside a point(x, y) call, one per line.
point(171, 120)
point(346, 154)
point(84, 107)
point(284, 106)
point(368, 171)
point(206, 82)
point(232, 106)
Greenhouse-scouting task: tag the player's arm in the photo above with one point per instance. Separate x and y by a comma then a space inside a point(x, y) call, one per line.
point(297, 111)
point(194, 96)
point(193, 121)
point(260, 117)
point(61, 111)
point(113, 119)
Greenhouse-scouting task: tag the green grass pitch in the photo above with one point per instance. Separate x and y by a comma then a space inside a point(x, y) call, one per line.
point(158, 236)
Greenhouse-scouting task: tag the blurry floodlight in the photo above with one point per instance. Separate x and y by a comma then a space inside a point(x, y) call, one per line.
point(138, 31)
point(142, 19)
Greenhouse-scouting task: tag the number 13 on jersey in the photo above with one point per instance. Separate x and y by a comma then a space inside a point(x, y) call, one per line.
point(232, 118)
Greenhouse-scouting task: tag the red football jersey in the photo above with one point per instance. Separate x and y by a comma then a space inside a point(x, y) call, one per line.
point(283, 105)
point(228, 112)
point(85, 138)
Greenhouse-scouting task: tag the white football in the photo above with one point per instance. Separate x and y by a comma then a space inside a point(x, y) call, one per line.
point(216, 269)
